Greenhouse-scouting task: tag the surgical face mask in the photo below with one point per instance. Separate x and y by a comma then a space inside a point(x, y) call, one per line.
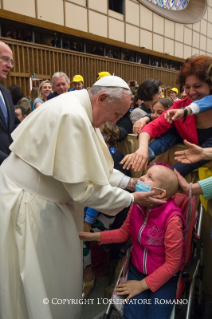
point(144, 187)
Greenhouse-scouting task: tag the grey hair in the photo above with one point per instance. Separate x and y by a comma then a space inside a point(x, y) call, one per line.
point(60, 75)
point(115, 93)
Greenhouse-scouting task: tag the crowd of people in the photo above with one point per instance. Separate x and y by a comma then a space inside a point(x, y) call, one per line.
point(62, 179)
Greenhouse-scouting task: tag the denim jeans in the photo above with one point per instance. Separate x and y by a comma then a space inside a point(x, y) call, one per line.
point(148, 304)
point(164, 143)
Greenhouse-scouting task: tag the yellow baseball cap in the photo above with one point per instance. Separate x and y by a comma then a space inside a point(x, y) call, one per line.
point(78, 78)
point(174, 90)
point(102, 74)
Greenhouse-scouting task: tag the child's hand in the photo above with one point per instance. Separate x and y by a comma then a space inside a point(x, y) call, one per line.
point(131, 288)
point(87, 227)
point(89, 236)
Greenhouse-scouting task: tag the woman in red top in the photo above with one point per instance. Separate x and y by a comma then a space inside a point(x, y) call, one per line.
point(196, 129)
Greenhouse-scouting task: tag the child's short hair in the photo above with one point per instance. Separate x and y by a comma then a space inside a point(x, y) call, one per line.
point(166, 102)
point(110, 133)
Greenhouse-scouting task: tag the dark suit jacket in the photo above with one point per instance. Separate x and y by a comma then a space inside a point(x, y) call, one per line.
point(5, 133)
point(52, 95)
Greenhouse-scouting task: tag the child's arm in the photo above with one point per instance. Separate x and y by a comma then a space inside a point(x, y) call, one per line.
point(111, 236)
point(173, 241)
point(200, 106)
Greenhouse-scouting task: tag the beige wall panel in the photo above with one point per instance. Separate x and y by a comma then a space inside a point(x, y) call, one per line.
point(145, 18)
point(51, 11)
point(190, 26)
point(116, 30)
point(209, 30)
point(210, 3)
point(178, 33)
point(169, 29)
point(158, 24)
point(131, 12)
point(98, 5)
point(76, 17)
point(158, 43)
point(203, 27)
point(195, 51)
point(187, 51)
point(146, 39)
point(97, 24)
point(25, 7)
point(202, 53)
point(209, 14)
point(202, 42)
point(209, 45)
point(187, 36)
point(195, 39)
point(205, 14)
point(196, 26)
point(80, 2)
point(132, 35)
point(168, 46)
point(178, 50)
point(116, 15)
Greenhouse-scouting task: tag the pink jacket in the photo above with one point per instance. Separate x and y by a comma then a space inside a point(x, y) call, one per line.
point(147, 234)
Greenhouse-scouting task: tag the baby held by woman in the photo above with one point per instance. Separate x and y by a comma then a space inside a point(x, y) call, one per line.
point(158, 248)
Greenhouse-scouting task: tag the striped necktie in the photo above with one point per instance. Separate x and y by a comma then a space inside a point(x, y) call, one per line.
point(4, 110)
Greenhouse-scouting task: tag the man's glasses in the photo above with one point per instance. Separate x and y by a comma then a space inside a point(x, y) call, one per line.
point(7, 60)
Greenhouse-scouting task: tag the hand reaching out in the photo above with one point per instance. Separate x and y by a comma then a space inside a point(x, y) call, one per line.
point(140, 124)
point(136, 161)
point(173, 115)
point(193, 154)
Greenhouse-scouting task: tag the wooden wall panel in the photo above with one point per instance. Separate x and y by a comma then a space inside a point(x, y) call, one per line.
point(43, 60)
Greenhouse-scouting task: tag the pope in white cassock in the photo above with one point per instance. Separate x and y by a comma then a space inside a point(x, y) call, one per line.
point(58, 161)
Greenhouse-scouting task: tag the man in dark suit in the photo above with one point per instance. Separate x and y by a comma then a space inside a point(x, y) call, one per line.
point(8, 118)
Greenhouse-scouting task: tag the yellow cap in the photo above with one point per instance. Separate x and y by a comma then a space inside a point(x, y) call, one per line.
point(174, 90)
point(102, 74)
point(78, 78)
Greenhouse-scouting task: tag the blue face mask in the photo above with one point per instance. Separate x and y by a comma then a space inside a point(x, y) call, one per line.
point(142, 187)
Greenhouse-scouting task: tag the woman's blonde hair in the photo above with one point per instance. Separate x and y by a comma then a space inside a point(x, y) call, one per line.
point(40, 87)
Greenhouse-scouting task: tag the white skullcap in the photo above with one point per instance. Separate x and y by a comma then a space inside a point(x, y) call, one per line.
point(112, 81)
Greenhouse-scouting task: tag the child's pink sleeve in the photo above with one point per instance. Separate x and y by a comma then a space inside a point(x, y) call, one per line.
point(117, 235)
point(173, 242)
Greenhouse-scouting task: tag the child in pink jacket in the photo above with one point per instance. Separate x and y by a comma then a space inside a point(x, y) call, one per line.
point(158, 248)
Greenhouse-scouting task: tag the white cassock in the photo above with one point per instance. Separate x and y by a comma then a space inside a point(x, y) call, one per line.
point(58, 164)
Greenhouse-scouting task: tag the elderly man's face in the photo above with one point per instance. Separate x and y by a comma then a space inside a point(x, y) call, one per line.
point(110, 112)
point(6, 56)
point(60, 85)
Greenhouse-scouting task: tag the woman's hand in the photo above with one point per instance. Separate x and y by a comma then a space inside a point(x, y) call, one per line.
point(184, 185)
point(136, 161)
point(193, 154)
point(140, 124)
point(89, 236)
point(174, 115)
point(131, 288)
point(146, 199)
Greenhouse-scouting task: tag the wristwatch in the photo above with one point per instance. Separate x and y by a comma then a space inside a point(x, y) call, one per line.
point(185, 113)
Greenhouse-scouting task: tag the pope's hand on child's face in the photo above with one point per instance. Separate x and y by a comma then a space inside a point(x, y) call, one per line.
point(131, 288)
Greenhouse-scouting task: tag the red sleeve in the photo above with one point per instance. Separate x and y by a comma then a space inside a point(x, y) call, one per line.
point(173, 242)
point(160, 126)
point(117, 235)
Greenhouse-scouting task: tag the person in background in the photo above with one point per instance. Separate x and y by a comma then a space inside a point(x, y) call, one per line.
point(110, 54)
point(21, 112)
point(33, 94)
point(60, 84)
point(45, 88)
point(55, 42)
point(78, 83)
point(173, 94)
point(94, 220)
point(19, 98)
point(9, 120)
point(148, 92)
point(101, 50)
point(8, 34)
